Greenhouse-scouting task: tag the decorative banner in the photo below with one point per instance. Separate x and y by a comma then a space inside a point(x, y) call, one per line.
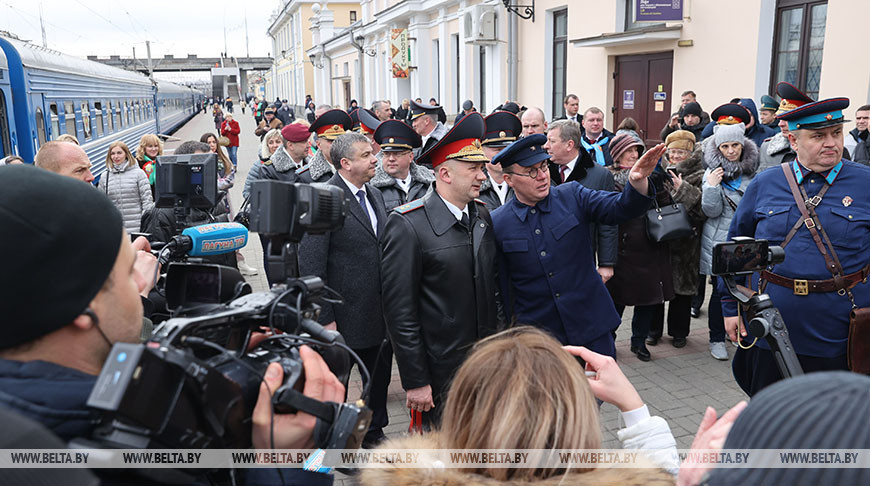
point(658, 10)
point(401, 53)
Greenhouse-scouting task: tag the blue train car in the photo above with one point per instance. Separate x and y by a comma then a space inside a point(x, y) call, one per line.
point(54, 94)
point(7, 118)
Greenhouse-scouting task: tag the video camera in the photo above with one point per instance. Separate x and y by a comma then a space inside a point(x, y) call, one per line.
point(745, 256)
point(184, 182)
point(194, 384)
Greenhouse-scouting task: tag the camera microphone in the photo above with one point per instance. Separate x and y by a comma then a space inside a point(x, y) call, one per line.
point(206, 240)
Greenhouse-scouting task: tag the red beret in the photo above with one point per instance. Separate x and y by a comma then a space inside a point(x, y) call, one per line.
point(295, 132)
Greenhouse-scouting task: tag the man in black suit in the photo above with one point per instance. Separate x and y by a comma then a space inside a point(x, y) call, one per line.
point(570, 162)
point(348, 261)
point(571, 104)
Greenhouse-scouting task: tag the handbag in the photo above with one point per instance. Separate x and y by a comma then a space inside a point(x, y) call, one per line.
point(858, 348)
point(668, 222)
point(243, 217)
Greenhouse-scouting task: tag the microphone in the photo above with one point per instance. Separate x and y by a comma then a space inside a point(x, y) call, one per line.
point(206, 240)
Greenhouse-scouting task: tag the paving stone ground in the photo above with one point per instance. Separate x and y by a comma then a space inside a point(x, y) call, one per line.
point(678, 384)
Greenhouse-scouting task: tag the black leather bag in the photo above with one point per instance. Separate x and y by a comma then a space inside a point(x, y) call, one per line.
point(243, 217)
point(668, 222)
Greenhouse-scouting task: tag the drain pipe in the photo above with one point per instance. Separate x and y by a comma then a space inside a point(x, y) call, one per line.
point(513, 26)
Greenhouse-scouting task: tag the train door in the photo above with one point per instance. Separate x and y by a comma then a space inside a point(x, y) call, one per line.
point(41, 116)
point(6, 127)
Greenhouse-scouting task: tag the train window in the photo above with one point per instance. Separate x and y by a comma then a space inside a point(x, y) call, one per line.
point(110, 116)
point(40, 126)
point(98, 117)
point(126, 114)
point(5, 140)
point(55, 121)
point(86, 120)
point(69, 116)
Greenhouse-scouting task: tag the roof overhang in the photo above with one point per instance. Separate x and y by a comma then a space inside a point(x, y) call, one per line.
point(632, 37)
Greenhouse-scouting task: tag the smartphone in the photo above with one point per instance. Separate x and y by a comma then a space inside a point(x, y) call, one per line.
point(740, 257)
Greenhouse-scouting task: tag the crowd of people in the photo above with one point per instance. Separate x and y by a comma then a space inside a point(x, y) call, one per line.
point(509, 242)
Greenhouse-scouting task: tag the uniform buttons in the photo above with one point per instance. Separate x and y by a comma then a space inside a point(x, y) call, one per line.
point(813, 181)
point(533, 211)
point(850, 216)
point(550, 274)
point(482, 225)
point(537, 231)
point(543, 253)
point(558, 295)
point(770, 212)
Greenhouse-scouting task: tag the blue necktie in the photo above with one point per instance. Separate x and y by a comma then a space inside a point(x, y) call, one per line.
point(361, 195)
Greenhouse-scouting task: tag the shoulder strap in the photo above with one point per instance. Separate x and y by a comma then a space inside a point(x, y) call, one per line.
point(807, 207)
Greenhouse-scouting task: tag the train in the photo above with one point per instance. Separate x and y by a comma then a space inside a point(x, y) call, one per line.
point(45, 93)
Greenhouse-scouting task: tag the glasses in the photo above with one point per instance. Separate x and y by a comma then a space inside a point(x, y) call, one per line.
point(533, 172)
point(678, 152)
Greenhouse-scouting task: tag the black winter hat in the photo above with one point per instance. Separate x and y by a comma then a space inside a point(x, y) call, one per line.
point(692, 108)
point(824, 410)
point(60, 238)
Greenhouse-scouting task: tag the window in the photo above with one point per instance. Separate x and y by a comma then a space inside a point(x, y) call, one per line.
point(40, 126)
point(560, 58)
point(631, 23)
point(69, 117)
point(352, 16)
point(125, 115)
point(98, 117)
point(110, 115)
point(86, 120)
point(55, 121)
point(5, 140)
point(798, 44)
point(346, 69)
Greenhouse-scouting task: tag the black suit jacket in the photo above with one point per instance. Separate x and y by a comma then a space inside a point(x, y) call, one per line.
point(348, 261)
point(596, 177)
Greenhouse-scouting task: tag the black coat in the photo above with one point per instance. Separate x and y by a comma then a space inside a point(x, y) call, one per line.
point(490, 196)
point(348, 261)
point(598, 178)
point(440, 289)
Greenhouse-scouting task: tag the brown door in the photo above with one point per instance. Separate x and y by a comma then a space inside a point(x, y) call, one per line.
point(346, 85)
point(643, 92)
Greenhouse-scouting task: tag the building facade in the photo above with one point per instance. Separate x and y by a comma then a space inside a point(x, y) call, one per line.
point(596, 49)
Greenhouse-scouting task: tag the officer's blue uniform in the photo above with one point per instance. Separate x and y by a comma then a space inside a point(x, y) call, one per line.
point(547, 267)
point(818, 323)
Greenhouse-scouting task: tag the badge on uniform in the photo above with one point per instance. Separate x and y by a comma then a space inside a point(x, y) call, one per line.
point(847, 201)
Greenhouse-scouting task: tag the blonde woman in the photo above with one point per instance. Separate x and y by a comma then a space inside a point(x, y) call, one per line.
point(542, 401)
point(126, 185)
point(150, 147)
point(271, 142)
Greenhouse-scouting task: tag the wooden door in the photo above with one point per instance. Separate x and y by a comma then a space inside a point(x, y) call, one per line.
point(643, 92)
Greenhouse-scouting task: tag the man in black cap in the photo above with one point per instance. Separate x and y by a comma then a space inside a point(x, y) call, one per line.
point(399, 179)
point(689, 118)
point(326, 128)
point(424, 120)
point(269, 122)
point(827, 255)
point(438, 271)
point(502, 129)
point(767, 112)
point(467, 107)
point(777, 149)
point(58, 333)
point(541, 226)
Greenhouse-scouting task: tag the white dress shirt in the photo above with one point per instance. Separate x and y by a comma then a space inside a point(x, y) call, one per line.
point(372, 216)
point(570, 167)
point(457, 213)
point(404, 184)
point(500, 189)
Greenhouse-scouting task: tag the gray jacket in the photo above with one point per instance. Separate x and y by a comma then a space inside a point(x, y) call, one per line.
point(774, 151)
point(127, 186)
point(349, 262)
point(421, 183)
point(714, 199)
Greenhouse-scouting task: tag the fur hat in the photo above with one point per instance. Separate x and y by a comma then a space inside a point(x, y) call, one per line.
point(728, 133)
point(623, 142)
point(681, 139)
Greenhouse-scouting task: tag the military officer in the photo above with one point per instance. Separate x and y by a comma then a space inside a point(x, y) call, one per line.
point(767, 112)
point(424, 120)
point(546, 266)
point(438, 271)
point(398, 177)
point(817, 285)
point(502, 128)
point(326, 128)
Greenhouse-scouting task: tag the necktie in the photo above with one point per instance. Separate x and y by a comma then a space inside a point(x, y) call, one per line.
point(562, 171)
point(361, 195)
point(464, 221)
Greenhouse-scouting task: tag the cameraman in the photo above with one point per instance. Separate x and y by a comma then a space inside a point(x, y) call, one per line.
point(58, 333)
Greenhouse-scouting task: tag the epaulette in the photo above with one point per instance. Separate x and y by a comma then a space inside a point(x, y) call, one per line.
point(302, 170)
point(479, 201)
point(407, 208)
point(268, 162)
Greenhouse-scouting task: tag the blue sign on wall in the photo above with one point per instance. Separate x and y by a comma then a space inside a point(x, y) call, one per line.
point(658, 10)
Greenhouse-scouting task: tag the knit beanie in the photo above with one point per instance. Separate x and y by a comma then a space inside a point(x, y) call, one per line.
point(681, 139)
point(728, 133)
point(623, 142)
point(61, 240)
point(823, 410)
point(692, 108)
